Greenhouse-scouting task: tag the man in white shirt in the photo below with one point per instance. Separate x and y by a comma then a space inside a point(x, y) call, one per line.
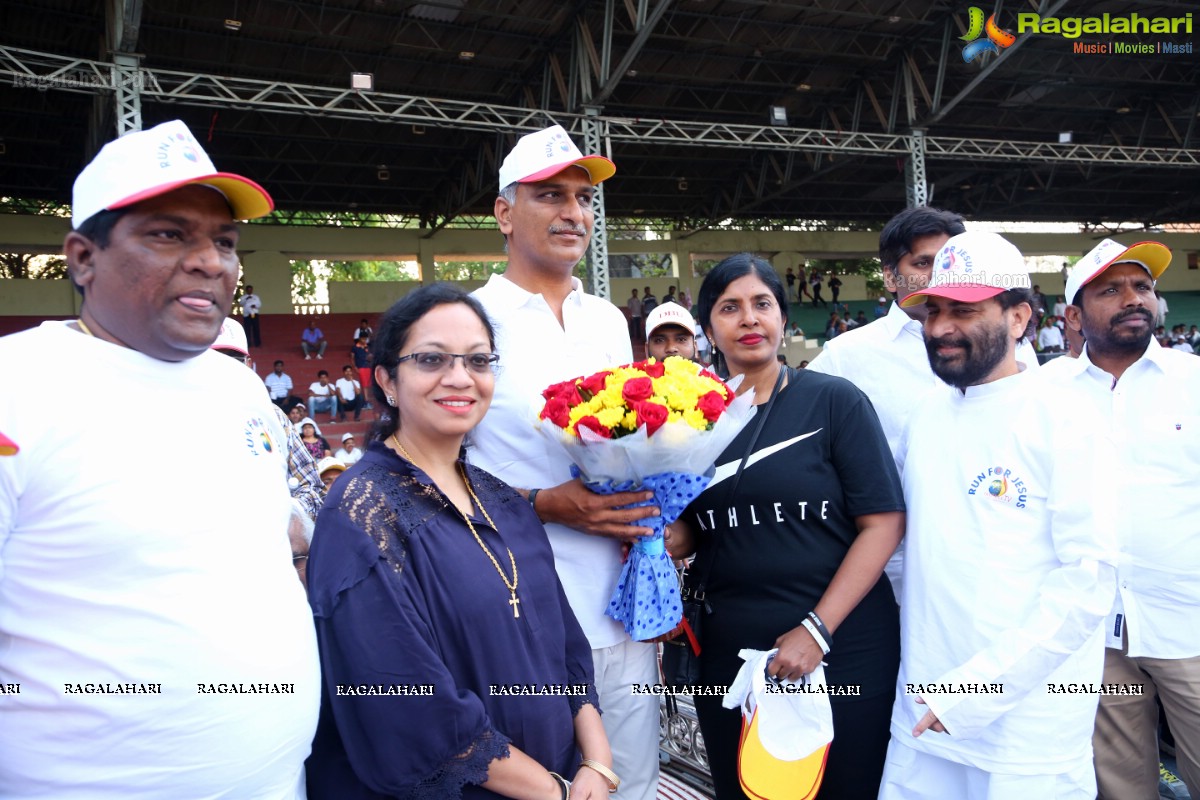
point(1146, 395)
point(322, 396)
point(251, 305)
point(1009, 569)
point(150, 619)
point(1050, 338)
point(887, 359)
point(350, 394)
point(279, 387)
point(349, 454)
point(548, 330)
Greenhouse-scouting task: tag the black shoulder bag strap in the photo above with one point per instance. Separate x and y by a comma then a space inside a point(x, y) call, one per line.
point(698, 593)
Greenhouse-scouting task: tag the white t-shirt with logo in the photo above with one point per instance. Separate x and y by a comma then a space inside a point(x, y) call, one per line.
point(149, 610)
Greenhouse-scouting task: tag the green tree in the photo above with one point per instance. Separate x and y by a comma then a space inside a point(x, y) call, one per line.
point(25, 265)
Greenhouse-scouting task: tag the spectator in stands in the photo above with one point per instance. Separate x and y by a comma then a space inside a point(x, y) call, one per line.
point(795, 330)
point(349, 454)
point(301, 473)
point(297, 413)
point(1060, 308)
point(362, 362)
point(548, 330)
point(831, 327)
point(316, 444)
point(1050, 338)
point(814, 283)
point(669, 297)
point(363, 331)
point(790, 279)
point(1193, 336)
point(835, 287)
point(1146, 396)
point(804, 364)
point(160, 568)
point(322, 396)
point(251, 305)
point(312, 338)
point(1160, 314)
point(1182, 345)
point(330, 468)
point(634, 307)
point(670, 332)
point(279, 387)
point(860, 319)
point(350, 394)
point(649, 301)
point(1040, 304)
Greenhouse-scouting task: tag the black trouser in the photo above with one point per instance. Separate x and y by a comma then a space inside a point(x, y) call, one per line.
point(816, 292)
point(253, 335)
point(355, 405)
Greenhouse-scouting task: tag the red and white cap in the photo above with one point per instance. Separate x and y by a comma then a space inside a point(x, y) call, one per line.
point(669, 314)
point(547, 152)
point(972, 267)
point(231, 337)
point(7, 446)
point(1150, 256)
point(145, 164)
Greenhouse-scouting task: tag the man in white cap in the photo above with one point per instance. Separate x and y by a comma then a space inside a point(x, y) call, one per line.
point(148, 612)
point(670, 331)
point(1146, 396)
point(1008, 567)
point(548, 330)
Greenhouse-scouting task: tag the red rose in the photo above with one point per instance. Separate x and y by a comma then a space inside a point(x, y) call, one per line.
point(550, 392)
point(557, 411)
point(655, 370)
point(711, 405)
point(637, 389)
point(652, 415)
point(593, 424)
point(594, 384)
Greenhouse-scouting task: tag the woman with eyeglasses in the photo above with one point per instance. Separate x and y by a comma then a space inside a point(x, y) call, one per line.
point(452, 665)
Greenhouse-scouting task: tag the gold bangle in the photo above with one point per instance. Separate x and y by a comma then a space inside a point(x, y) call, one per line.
point(613, 781)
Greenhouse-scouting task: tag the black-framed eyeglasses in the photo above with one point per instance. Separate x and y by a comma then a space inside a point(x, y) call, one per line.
point(438, 362)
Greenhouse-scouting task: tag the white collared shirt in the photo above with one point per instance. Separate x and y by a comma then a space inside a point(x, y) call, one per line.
point(535, 352)
point(1154, 416)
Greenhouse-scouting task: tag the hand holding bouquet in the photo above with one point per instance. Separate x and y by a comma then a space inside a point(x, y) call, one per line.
point(648, 425)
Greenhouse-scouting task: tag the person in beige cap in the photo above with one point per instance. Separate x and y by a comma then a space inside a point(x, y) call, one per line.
point(547, 330)
point(670, 331)
point(162, 643)
point(1009, 560)
point(1146, 396)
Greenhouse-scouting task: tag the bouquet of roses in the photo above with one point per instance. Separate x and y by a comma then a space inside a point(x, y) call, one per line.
point(648, 425)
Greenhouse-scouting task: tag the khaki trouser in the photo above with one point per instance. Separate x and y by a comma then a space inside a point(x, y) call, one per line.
point(1126, 737)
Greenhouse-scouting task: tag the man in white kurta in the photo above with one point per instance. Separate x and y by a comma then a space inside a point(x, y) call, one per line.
point(1147, 397)
point(1008, 570)
point(549, 330)
point(151, 622)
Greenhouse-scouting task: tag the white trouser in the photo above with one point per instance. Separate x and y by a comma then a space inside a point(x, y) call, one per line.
point(631, 721)
point(910, 774)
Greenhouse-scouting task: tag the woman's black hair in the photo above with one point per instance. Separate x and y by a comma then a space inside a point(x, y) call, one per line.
point(725, 273)
point(392, 332)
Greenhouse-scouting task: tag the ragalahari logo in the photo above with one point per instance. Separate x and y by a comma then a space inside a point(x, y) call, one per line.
point(997, 38)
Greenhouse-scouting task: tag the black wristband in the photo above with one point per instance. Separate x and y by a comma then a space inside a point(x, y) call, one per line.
point(533, 493)
point(821, 629)
point(563, 784)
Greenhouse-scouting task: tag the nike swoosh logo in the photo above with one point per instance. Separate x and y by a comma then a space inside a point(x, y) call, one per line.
point(724, 471)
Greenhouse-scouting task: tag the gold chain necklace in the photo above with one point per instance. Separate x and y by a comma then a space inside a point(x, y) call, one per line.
point(84, 327)
point(514, 601)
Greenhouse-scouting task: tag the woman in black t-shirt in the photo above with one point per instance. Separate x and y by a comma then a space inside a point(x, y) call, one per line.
point(813, 519)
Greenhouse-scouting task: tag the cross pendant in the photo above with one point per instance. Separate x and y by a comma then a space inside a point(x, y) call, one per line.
point(515, 603)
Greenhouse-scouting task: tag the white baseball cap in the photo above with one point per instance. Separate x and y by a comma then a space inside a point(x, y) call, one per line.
point(148, 163)
point(974, 266)
point(346, 436)
point(547, 152)
point(1153, 257)
point(231, 337)
point(669, 314)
